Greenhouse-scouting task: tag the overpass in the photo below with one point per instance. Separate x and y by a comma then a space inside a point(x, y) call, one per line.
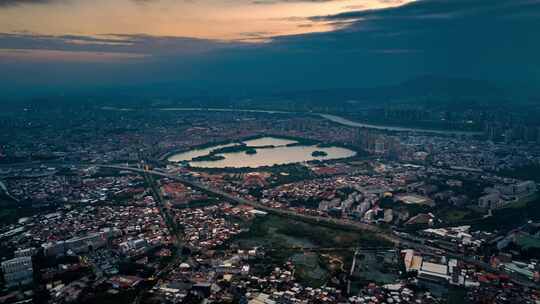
point(5, 190)
point(341, 223)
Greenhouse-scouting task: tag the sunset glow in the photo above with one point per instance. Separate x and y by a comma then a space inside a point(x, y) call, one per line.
point(208, 19)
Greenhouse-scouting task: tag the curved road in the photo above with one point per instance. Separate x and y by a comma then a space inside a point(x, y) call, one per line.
point(347, 224)
point(343, 223)
point(336, 119)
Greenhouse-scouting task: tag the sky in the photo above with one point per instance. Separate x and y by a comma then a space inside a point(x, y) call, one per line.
point(55, 46)
point(243, 20)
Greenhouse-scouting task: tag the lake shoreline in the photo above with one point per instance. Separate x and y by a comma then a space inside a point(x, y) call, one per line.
point(264, 151)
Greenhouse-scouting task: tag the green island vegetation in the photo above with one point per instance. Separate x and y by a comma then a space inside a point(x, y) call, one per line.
point(216, 154)
point(232, 149)
point(319, 153)
point(299, 141)
point(209, 144)
point(208, 157)
point(325, 145)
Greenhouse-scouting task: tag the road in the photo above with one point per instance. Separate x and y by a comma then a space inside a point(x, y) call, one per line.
point(169, 221)
point(342, 223)
point(165, 214)
point(336, 119)
point(4, 189)
point(283, 212)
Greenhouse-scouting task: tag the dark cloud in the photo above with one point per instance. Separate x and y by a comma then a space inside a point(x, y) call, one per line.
point(9, 3)
point(494, 40)
point(5, 3)
point(263, 2)
point(122, 43)
point(441, 9)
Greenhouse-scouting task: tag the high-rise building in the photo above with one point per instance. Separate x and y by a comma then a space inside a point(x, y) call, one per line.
point(18, 271)
point(380, 146)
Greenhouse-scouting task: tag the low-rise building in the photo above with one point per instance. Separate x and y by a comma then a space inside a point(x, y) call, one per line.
point(490, 201)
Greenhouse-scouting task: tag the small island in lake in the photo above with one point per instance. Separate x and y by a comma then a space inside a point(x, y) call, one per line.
point(209, 157)
point(319, 153)
point(233, 149)
point(217, 154)
point(251, 151)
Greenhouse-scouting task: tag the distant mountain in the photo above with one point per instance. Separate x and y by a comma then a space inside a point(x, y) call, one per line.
point(423, 89)
point(430, 91)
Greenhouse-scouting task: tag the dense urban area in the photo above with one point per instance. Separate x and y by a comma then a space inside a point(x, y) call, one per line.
point(167, 205)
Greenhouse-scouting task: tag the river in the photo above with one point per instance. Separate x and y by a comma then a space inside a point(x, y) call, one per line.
point(334, 118)
point(337, 119)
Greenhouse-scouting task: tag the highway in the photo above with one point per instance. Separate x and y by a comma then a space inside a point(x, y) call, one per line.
point(288, 213)
point(5, 190)
point(341, 223)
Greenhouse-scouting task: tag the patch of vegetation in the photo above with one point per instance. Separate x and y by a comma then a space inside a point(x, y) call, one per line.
point(284, 239)
point(457, 295)
point(451, 215)
point(508, 218)
point(528, 172)
point(310, 268)
point(319, 153)
point(11, 212)
point(197, 203)
point(233, 149)
point(329, 237)
point(209, 157)
point(289, 174)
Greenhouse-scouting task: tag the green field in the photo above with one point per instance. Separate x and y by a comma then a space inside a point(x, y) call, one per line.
point(508, 218)
point(453, 215)
point(283, 240)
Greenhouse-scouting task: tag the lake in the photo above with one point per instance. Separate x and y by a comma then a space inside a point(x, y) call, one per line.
point(270, 151)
